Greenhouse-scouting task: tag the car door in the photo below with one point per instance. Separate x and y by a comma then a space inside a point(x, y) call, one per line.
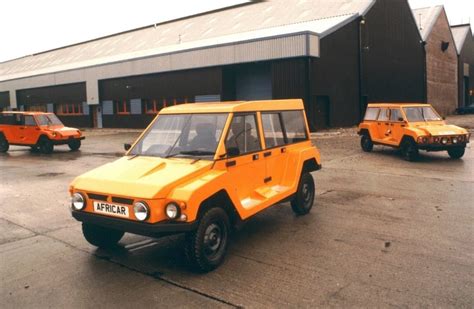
point(383, 125)
point(397, 124)
point(275, 154)
point(245, 163)
point(29, 130)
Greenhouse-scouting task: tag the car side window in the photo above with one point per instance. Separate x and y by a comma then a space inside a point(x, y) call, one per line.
point(7, 119)
point(272, 130)
point(395, 115)
point(384, 114)
point(243, 136)
point(295, 126)
point(371, 113)
point(28, 120)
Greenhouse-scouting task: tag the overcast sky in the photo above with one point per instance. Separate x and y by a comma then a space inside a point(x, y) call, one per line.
point(31, 26)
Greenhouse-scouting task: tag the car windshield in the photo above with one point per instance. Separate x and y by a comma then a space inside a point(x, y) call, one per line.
point(48, 120)
point(421, 113)
point(186, 135)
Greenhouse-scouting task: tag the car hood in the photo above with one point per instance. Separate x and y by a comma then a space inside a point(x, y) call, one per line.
point(140, 177)
point(64, 131)
point(440, 129)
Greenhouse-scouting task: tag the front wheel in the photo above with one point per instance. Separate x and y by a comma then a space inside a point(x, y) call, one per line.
point(409, 150)
point(75, 144)
point(100, 236)
point(456, 153)
point(304, 198)
point(46, 146)
point(366, 143)
point(4, 145)
point(207, 246)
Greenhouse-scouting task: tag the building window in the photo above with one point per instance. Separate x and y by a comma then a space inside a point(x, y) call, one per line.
point(37, 108)
point(70, 109)
point(122, 107)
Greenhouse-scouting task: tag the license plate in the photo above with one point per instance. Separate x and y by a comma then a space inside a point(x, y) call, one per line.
point(111, 209)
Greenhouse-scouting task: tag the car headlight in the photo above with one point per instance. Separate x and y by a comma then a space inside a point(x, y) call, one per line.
point(436, 139)
point(422, 139)
point(444, 140)
point(455, 140)
point(172, 210)
point(78, 201)
point(141, 210)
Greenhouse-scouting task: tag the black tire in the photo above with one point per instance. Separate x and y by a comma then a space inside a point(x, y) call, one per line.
point(456, 153)
point(75, 144)
point(206, 247)
point(409, 150)
point(100, 236)
point(304, 198)
point(4, 144)
point(366, 143)
point(46, 146)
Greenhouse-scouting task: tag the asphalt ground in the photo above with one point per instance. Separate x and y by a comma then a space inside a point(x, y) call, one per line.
point(383, 232)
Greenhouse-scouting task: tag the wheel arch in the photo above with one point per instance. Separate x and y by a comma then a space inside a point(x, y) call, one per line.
point(220, 199)
point(310, 165)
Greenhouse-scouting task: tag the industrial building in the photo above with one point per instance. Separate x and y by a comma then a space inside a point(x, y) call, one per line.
point(465, 49)
point(337, 55)
point(441, 59)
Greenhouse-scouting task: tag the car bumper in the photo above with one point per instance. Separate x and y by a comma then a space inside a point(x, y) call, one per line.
point(140, 228)
point(66, 140)
point(438, 147)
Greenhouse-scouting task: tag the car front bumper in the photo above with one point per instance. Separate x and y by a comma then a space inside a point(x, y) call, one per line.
point(66, 140)
point(440, 147)
point(141, 228)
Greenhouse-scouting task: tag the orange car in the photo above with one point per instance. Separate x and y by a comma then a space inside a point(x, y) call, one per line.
point(38, 130)
point(198, 169)
point(410, 128)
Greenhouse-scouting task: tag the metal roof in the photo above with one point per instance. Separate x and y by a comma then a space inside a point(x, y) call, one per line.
point(460, 33)
point(426, 19)
point(254, 21)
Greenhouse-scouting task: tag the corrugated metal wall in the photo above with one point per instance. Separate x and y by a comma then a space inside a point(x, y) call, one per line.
point(70, 93)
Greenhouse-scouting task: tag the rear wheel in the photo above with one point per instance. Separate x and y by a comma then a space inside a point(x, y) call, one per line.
point(207, 246)
point(75, 144)
point(4, 145)
point(100, 236)
point(304, 198)
point(456, 153)
point(409, 150)
point(366, 143)
point(46, 146)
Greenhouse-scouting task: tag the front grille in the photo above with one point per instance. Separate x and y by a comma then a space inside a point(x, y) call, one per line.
point(98, 197)
point(122, 200)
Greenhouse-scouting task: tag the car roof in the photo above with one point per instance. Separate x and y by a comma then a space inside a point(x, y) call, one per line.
point(232, 107)
point(396, 105)
point(24, 113)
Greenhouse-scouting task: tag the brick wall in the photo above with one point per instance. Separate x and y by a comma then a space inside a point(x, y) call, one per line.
point(441, 68)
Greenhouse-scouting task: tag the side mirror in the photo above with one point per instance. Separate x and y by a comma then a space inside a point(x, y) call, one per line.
point(127, 146)
point(233, 152)
point(401, 119)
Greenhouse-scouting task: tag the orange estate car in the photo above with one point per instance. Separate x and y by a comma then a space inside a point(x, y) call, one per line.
point(38, 130)
point(411, 127)
point(199, 169)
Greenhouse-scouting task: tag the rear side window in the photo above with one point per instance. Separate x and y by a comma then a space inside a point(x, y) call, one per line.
point(384, 114)
point(371, 113)
point(272, 130)
point(395, 115)
point(7, 119)
point(295, 126)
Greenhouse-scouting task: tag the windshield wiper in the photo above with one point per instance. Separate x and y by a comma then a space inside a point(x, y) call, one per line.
point(192, 153)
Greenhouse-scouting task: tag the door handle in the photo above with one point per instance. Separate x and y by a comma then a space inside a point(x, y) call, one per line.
point(255, 156)
point(268, 179)
point(21, 128)
point(267, 154)
point(230, 163)
point(283, 150)
point(387, 123)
